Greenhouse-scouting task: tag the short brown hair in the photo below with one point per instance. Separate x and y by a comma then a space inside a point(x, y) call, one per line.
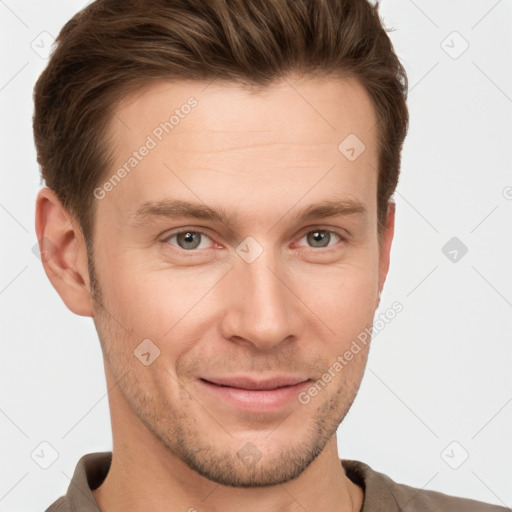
point(113, 47)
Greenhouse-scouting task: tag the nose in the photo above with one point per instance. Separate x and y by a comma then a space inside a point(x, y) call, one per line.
point(262, 310)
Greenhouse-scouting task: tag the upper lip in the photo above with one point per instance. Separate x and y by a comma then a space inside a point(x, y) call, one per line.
point(244, 382)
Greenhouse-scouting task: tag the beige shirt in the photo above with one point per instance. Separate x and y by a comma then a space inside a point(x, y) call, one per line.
point(381, 494)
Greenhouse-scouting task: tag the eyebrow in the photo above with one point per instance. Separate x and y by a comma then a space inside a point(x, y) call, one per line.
point(175, 208)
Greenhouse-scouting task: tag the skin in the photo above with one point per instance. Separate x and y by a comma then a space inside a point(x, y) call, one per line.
point(261, 156)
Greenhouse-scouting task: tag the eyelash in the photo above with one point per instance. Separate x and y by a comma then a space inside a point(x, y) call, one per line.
point(202, 233)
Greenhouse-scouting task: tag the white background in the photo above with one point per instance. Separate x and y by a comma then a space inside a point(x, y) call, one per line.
point(438, 373)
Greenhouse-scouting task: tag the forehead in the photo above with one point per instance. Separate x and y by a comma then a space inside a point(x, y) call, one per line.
point(297, 136)
point(291, 106)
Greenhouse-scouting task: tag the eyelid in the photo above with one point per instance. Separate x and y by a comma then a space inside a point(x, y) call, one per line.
point(339, 232)
point(328, 229)
point(178, 231)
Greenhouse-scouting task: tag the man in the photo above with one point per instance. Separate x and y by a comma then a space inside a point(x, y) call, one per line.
point(219, 199)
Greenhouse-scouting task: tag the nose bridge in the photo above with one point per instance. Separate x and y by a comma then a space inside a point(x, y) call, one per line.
point(262, 311)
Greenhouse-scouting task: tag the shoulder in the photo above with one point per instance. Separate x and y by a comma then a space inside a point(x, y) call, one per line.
point(383, 494)
point(61, 505)
point(89, 474)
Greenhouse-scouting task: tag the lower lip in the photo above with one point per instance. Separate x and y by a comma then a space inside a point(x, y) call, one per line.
point(256, 400)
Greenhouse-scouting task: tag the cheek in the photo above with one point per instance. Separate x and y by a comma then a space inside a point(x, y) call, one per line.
point(168, 306)
point(342, 295)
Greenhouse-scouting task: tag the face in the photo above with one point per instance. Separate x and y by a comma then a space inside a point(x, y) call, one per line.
point(237, 260)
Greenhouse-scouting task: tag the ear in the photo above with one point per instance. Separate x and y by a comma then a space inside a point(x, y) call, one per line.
point(63, 252)
point(385, 246)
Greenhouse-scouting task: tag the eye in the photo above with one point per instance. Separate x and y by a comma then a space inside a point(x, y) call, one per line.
point(189, 240)
point(321, 238)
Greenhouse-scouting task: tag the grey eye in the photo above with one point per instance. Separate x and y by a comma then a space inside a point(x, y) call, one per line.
point(188, 239)
point(319, 238)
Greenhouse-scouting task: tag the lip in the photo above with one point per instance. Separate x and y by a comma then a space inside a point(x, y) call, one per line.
point(253, 395)
point(243, 382)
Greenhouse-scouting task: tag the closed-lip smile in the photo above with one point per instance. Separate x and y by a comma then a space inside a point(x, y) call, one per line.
point(256, 395)
point(254, 384)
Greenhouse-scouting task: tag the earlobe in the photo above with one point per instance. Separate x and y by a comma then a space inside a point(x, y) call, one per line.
point(63, 252)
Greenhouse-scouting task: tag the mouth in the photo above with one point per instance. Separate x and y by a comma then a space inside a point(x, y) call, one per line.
point(252, 395)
